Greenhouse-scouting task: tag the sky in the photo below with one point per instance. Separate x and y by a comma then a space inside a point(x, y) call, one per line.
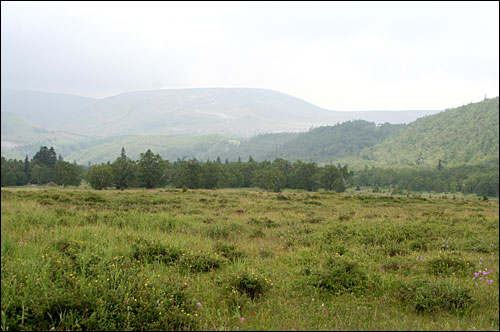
point(345, 56)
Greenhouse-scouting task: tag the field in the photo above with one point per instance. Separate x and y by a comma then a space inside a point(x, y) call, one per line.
point(168, 259)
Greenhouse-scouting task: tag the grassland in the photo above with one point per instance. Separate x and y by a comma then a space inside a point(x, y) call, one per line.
point(167, 259)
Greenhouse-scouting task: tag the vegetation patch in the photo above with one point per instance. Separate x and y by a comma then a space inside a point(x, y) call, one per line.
point(339, 275)
point(248, 283)
point(448, 264)
point(229, 251)
point(429, 296)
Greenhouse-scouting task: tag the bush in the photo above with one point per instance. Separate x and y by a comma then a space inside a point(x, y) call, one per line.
point(229, 251)
point(249, 283)
point(429, 296)
point(200, 262)
point(117, 298)
point(449, 264)
point(154, 251)
point(217, 232)
point(265, 221)
point(338, 276)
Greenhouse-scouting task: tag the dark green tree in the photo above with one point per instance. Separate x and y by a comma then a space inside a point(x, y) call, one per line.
point(100, 176)
point(27, 170)
point(327, 176)
point(270, 179)
point(66, 174)
point(124, 171)
point(40, 173)
point(149, 170)
point(210, 174)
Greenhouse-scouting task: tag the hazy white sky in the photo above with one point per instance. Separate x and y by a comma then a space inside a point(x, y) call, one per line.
point(337, 55)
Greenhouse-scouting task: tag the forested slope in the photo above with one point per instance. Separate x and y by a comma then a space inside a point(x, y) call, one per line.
point(463, 135)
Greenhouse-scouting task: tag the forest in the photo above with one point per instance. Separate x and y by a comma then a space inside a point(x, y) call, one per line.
point(152, 171)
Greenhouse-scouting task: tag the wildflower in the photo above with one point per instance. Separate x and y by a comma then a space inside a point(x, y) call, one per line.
point(198, 304)
point(383, 270)
point(243, 319)
point(312, 300)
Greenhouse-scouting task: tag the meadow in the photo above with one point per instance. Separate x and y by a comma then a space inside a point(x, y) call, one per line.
point(173, 259)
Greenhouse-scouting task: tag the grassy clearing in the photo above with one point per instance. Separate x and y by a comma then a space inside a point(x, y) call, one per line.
point(77, 259)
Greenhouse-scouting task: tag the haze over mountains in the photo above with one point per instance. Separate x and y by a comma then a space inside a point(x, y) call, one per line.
point(238, 112)
point(211, 123)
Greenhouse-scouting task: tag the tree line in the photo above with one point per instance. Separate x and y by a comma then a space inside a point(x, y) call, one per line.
point(481, 179)
point(152, 171)
point(45, 167)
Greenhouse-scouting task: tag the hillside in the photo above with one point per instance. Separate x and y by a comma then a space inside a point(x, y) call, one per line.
point(48, 110)
point(14, 126)
point(240, 112)
point(21, 137)
point(333, 143)
point(467, 134)
point(170, 147)
point(464, 135)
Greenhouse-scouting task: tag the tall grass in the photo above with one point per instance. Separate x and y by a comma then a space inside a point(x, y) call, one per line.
point(76, 259)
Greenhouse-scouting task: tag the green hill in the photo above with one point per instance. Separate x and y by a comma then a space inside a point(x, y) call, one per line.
point(21, 137)
point(15, 126)
point(463, 135)
point(170, 147)
point(334, 143)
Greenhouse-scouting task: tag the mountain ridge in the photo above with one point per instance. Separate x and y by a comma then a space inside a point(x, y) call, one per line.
point(243, 112)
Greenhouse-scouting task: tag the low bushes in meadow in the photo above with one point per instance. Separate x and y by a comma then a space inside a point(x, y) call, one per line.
point(425, 295)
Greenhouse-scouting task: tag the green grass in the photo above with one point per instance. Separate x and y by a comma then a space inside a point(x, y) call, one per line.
point(78, 259)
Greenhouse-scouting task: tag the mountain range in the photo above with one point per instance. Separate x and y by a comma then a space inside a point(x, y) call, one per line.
point(240, 112)
point(239, 123)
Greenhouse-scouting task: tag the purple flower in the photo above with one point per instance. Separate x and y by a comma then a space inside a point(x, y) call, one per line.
point(198, 304)
point(383, 270)
point(243, 319)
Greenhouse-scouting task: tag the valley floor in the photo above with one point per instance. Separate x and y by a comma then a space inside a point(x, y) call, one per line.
point(168, 259)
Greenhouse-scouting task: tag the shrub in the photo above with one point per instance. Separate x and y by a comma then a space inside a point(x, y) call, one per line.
point(338, 276)
point(265, 221)
point(449, 264)
point(257, 233)
point(429, 296)
point(217, 232)
point(228, 251)
point(394, 249)
point(154, 251)
point(249, 283)
point(200, 262)
point(121, 298)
